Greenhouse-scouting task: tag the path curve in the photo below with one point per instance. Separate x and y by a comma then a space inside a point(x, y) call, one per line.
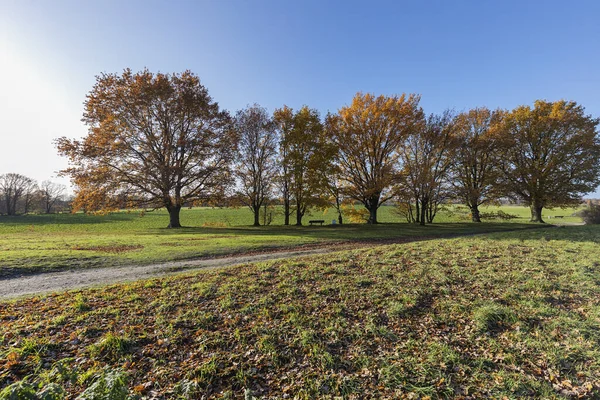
point(77, 279)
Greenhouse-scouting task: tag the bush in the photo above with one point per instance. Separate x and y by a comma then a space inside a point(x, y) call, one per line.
point(591, 215)
point(497, 215)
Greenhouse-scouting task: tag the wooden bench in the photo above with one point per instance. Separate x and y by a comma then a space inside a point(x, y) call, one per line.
point(316, 221)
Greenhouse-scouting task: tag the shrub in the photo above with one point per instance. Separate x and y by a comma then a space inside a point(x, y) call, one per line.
point(355, 215)
point(591, 215)
point(497, 215)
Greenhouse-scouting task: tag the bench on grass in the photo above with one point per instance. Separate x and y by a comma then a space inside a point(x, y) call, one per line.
point(316, 221)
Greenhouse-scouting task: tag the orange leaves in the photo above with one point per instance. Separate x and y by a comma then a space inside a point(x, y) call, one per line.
point(369, 134)
point(154, 140)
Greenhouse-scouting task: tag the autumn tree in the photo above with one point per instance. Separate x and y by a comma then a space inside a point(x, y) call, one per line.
point(256, 157)
point(550, 154)
point(12, 189)
point(302, 157)
point(49, 193)
point(475, 166)
point(425, 159)
point(284, 123)
point(156, 140)
point(368, 134)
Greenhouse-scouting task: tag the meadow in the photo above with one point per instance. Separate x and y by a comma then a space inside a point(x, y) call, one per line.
point(502, 315)
point(38, 243)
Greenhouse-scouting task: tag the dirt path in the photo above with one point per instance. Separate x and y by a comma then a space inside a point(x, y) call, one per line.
point(76, 279)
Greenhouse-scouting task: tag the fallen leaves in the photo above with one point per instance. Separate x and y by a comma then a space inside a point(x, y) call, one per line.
point(391, 322)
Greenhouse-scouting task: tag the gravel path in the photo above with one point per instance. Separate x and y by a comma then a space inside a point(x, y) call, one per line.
point(76, 279)
point(15, 287)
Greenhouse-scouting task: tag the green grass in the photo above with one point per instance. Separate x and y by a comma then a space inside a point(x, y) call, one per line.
point(35, 243)
point(513, 314)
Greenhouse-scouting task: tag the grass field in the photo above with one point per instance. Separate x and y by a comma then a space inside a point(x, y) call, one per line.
point(504, 315)
point(35, 243)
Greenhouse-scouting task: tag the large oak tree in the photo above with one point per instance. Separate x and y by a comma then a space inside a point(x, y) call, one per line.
point(475, 166)
point(550, 154)
point(368, 134)
point(155, 140)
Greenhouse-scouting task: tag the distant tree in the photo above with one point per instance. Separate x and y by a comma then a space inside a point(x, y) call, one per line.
point(303, 155)
point(12, 188)
point(475, 166)
point(49, 194)
point(550, 155)
point(426, 157)
point(158, 140)
point(256, 159)
point(29, 195)
point(368, 134)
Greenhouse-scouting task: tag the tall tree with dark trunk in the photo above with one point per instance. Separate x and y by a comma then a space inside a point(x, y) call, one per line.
point(368, 134)
point(12, 189)
point(475, 166)
point(550, 155)
point(256, 158)
point(425, 160)
point(157, 140)
point(284, 122)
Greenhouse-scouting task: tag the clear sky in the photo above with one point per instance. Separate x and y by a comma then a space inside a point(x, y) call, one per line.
point(456, 54)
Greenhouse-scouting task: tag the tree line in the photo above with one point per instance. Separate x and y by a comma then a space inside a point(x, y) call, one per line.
point(20, 194)
point(159, 140)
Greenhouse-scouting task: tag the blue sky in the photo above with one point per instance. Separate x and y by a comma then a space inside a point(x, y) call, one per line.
point(456, 54)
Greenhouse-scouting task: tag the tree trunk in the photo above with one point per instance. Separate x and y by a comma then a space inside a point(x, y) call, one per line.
point(372, 215)
point(475, 217)
point(286, 211)
point(423, 216)
point(340, 220)
point(256, 211)
point(417, 212)
point(536, 212)
point(299, 215)
point(174, 216)
point(372, 204)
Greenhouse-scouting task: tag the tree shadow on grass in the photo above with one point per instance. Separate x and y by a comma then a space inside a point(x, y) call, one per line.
point(352, 231)
point(66, 219)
